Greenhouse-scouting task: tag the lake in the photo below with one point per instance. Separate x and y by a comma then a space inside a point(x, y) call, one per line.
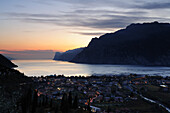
point(51, 67)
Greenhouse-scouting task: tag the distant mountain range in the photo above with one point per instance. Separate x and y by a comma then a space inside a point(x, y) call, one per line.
point(137, 44)
point(68, 55)
point(28, 54)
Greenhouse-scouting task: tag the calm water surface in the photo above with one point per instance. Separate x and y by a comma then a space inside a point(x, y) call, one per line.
point(50, 67)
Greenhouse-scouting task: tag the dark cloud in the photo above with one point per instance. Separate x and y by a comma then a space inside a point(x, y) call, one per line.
point(115, 21)
point(89, 18)
point(154, 5)
point(92, 3)
point(27, 15)
point(90, 34)
point(82, 18)
point(105, 11)
point(85, 4)
point(19, 6)
point(111, 21)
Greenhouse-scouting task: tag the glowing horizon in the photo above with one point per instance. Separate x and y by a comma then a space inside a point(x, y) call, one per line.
point(61, 25)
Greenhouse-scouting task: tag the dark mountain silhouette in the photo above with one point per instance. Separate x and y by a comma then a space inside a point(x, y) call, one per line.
point(68, 55)
point(4, 62)
point(57, 55)
point(137, 44)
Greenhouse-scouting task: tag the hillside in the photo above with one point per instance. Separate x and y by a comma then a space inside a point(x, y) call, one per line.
point(4, 62)
point(137, 44)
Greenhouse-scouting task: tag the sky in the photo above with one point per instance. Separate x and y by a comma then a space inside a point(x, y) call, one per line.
point(59, 25)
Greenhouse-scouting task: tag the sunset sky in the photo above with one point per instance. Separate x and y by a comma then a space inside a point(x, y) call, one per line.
point(60, 25)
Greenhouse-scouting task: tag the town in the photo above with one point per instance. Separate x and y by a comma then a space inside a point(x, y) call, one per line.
point(109, 93)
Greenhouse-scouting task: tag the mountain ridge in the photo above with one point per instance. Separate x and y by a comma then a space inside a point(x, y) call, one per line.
point(67, 55)
point(137, 44)
point(5, 62)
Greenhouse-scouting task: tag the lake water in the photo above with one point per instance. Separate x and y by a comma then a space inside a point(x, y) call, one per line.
point(50, 67)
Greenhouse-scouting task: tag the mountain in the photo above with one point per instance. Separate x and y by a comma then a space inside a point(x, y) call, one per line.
point(4, 62)
point(137, 44)
point(68, 55)
point(57, 55)
point(28, 54)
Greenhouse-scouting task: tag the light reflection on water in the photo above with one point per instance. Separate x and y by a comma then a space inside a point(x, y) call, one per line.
point(49, 67)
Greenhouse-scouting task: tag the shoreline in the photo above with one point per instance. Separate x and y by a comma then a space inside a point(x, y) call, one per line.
point(38, 68)
point(103, 91)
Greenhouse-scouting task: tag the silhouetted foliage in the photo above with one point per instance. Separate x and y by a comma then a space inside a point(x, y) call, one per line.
point(35, 102)
point(75, 103)
point(43, 101)
point(29, 97)
point(64, 104)
point(51, 102)
point(108, 109)
point(26, 101)
point(88, 107)
point(56, 108)
point(46, 100)
point(70, 99)
point(23, 105)
point(132, 94)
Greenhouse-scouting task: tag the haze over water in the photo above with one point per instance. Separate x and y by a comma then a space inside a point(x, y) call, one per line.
point(51, 67)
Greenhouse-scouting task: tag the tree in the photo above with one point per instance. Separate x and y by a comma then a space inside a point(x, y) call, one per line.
point(51, 102)
point(26, 100)
point(88, 106)
point(56, 108)
point(39, 103)
point(34, 102)
point(29, 96)
point(132, 94)
point(113, 89)
point(64, 104)
point(108, 109)
point(70, 99)
point(46, 100)
point(75, 103)
point(43, 101)
point(23, 105)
